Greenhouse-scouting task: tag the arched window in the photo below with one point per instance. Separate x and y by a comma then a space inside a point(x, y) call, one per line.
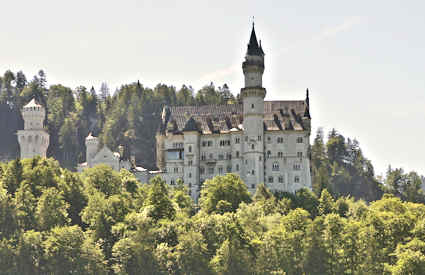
point(297, 179)
point(190, 149)
point(269, 154)
point(276, 166)
point(252, 146)
point(237, 167)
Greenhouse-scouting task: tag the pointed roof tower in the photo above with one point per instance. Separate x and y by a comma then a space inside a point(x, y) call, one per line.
point(253, 47)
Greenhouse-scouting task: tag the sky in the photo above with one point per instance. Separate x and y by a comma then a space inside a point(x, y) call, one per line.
point(363, 61)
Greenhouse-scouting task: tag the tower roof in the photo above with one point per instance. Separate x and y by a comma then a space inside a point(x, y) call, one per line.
point(253, 47)
point(32, 103)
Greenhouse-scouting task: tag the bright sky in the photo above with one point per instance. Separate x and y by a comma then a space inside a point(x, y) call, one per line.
point(362, 60)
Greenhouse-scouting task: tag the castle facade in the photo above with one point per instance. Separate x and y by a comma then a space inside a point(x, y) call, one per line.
point(262, 141)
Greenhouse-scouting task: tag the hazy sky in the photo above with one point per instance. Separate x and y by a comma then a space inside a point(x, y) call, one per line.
point(363, 61)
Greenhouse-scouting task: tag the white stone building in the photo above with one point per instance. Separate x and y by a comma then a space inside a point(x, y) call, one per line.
point(262, 141)
point(96, 155)
point(33, 139)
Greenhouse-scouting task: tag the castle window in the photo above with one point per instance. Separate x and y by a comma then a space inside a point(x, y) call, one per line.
point(237, 140)
point(176, 169)
point(203, 156)
point(190, 192)
point(190, 162)
point(269, 154)
point(269, 139)
point(190, 185)
point(259, 138)
point(246, 138)
point(190, 175)
point(279, 154)
point(297, 179)
point(300, 154)
point(252, 106)
point(211, 170)
point(201, 170)
point(237, 154)
point(252, 146)
point(211, 156)
point(297, 167)
point(259, 158)
point(253, 186)
point(220, 170)
point(279, 139)
point(275, 166)
point(172, 182)
point(204, 143)
point(253, 172)
point(299, 140)
point(220, 156)
point(237, 167)
point(209, 143)
point(229, 169)
point(270, 179)
point(280, 179)
point(190, 149)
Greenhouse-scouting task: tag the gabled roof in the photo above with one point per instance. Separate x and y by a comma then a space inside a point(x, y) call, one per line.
point(208, 119)
point(191, 125)
point(32, 103)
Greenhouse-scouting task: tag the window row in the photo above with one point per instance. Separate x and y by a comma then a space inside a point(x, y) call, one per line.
point(281, 179)
point(220, 169)
point(177, 144)
point(220, 156)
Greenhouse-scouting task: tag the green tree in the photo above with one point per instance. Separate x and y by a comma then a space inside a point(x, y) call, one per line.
point(51, 210)
point(229, 188)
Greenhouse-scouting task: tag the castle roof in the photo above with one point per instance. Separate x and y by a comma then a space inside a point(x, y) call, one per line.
point(32, 103)
point(253, 47)
point(91, 137)
point(210, 119)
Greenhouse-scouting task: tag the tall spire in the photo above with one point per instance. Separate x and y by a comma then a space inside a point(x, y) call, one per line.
point(253, 47)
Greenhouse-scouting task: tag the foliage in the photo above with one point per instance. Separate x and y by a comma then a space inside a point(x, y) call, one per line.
point(54, 221)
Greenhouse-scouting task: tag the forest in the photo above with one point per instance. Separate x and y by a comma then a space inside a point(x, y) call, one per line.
point(56, 221)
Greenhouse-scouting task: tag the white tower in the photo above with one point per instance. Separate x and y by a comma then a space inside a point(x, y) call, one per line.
point(92, 144)
point(34, 139)
point(253, 113)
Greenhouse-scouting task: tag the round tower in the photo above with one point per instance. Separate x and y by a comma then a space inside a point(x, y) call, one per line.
point(253, 111)
point(92, 144)
point(34, 139)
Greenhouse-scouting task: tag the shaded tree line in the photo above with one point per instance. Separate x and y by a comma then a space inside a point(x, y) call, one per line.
point(129, 117)
point(339, 166)
point(54, 221)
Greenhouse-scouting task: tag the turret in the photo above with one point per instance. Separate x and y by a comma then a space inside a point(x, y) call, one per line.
point(253, 111)
point(33, 115)
point(33, 139)
point(92, 144)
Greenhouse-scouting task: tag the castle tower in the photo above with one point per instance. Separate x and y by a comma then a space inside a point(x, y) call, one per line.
point(92, 144)
point(253, 111)
point(34, 139)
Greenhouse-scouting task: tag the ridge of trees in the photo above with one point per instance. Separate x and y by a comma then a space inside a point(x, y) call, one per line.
point(54, 221)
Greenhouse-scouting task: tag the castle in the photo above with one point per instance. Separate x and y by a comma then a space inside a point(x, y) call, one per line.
point(262, 141)
point(34, 139)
